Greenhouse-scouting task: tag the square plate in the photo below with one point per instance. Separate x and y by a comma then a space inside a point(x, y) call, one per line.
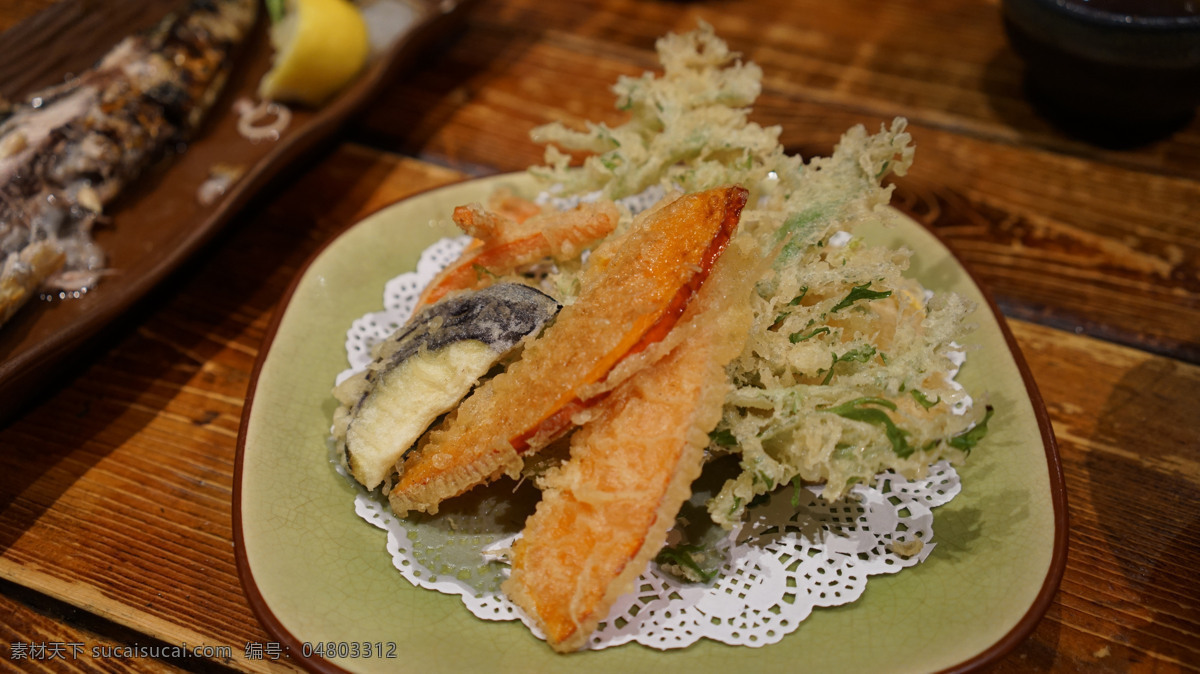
point(314, 572)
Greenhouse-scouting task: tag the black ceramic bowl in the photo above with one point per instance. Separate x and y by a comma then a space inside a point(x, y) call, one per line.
point(1123, 61)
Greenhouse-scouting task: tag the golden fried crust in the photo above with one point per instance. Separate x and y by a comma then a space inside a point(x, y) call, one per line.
point(629, 286)
point(605, 513)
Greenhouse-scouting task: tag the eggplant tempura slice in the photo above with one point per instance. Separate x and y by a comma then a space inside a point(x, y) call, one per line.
point(426, 367)
point(633, 285)
point(606, 511)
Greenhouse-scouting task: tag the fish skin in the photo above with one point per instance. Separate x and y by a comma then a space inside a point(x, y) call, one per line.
point(69, 150)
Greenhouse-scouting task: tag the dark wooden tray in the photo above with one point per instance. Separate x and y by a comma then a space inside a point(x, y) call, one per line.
point(157, 223)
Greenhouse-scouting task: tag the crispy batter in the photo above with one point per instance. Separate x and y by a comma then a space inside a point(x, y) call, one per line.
point(503, 243)
point(605, 512)
point(506, 202)
point(628, 286)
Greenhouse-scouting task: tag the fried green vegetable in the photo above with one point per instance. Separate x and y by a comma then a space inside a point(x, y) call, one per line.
point(424, 370)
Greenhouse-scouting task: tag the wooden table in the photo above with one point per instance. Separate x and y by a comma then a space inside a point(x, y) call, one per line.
point(115, 487)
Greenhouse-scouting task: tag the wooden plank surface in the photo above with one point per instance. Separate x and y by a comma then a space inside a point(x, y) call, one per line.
point(1062, 231)
point(115, 488)
point(41, 637)
point(150, 442)
point(115, 493)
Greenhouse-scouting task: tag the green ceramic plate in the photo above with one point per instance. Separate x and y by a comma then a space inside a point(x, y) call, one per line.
point(315, 573)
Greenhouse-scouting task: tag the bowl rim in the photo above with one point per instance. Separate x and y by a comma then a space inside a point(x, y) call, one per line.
point(1080, 11)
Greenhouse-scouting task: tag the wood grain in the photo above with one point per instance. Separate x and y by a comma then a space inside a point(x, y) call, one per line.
point(1064, 232)
point(115, 488)
point(62, 39)
point(115, 493)
point(1128, 598)
point(123, 510)
point(42, 638)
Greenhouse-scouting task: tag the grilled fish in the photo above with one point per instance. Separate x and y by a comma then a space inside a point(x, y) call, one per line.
point(67, 151)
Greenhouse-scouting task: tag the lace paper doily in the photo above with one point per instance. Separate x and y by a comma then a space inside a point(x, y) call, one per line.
point(794, 553)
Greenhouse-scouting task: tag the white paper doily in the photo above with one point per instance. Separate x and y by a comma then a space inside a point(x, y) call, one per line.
point(793, 553)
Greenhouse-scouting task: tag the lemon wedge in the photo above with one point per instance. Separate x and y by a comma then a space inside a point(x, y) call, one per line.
point(320, 45)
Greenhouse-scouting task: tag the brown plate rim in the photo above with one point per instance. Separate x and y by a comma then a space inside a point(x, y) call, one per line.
point(1058, 490)
point(258, 603)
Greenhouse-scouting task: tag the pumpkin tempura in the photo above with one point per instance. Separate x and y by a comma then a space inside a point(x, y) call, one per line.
point(628, 287)
point(606, 511)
